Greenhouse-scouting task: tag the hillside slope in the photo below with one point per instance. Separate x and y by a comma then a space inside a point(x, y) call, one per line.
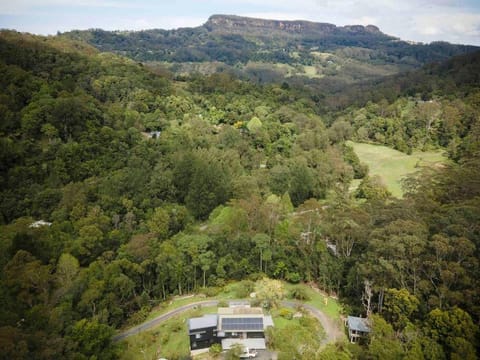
point(319, 50)
point(240, 181)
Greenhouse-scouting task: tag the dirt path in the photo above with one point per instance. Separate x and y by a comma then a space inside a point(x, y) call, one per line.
point(332, 329)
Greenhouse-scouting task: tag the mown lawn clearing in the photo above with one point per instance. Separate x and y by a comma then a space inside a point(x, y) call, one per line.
point(168, 340)
point(392, 166)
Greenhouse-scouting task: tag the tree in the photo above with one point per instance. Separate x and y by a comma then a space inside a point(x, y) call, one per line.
point(301, 182)
point(28, 279)
point(428, 112)
point(372, 188)
point(215, 350)
point(234, 352)
point(367, 297)
point(447, 266)
point(454, 330)
point(399, 307)
point(93, 339)
point(254, 125)
point(279, 179)
point(383, 342)
point(393, 256)
point(170, 267)
point(339, 131)
point(159, 223)
point(262, 242)
point(206, 261)
point(65, 274)
point(269, 292)
point(209, 187)
point(89, 243)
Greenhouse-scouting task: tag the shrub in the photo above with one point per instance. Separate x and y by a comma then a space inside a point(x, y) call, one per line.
point(243, 289)
point(293, 277)
point(215, 350)
point(299, 293)
point(286, 313)
point(212, 291)
point(222, 303)
point(175, 326)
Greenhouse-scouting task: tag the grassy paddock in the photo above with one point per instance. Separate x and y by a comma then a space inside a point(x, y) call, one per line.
point(324, 303)
point(169, 340)
point(392, 165)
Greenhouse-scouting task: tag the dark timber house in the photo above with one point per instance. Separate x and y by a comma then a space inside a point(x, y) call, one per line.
point(202, 331)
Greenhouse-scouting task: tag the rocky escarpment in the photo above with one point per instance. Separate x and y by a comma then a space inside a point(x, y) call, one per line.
point(239, 24)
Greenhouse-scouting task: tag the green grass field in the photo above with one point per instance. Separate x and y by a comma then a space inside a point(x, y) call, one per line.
point(392, 165)
point(328, 305)
point(169, 340)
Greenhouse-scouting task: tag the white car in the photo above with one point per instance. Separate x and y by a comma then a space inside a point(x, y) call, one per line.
point(248, 354)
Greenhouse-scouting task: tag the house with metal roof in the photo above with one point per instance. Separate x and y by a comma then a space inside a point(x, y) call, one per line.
point(357, 328)
point(242, 325)
point(202, 331)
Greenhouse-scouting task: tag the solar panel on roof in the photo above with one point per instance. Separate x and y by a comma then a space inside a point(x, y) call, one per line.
point(242, 323)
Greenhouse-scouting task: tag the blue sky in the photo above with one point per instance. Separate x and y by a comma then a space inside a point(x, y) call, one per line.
point(456, 21)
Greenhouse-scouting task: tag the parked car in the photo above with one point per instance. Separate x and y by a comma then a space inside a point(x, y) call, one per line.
point(248, 354)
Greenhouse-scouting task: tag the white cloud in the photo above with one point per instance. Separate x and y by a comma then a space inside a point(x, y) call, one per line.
point(365, 20)
point(276, 15)
point(454, 23)
point(20, 7)
point(173, 22)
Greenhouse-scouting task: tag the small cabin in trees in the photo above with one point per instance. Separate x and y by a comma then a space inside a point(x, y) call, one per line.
point(358, 328)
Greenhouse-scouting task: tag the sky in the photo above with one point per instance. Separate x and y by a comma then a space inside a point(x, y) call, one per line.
point(456, 21)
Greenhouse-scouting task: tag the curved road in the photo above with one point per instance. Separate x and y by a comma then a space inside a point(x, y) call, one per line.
point(331, 328)
point(161, 318)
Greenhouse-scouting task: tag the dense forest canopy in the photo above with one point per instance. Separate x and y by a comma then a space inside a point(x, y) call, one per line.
point(151, 185)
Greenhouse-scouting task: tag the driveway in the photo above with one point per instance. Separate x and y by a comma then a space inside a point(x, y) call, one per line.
point(332, 330)
point(161, 318)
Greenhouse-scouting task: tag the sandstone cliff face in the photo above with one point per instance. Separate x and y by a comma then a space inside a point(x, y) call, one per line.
point(240, 24)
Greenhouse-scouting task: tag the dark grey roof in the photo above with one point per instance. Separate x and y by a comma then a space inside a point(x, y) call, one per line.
point(358, 324)
point(241, 323)
point(203, 322)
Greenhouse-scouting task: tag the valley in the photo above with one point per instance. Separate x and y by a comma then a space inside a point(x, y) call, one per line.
point(240, 156)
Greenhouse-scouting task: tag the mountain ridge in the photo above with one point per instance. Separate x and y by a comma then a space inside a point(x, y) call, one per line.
point(274, 50)
point(293, 26)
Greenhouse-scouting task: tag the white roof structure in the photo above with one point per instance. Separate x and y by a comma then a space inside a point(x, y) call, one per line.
point(203, 322)
point(239, 303)
point(39, 223)
point(258, 344)
point(267, 321)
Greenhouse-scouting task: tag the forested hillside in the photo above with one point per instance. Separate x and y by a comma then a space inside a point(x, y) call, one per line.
point(151, 187)
point(273, 51)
